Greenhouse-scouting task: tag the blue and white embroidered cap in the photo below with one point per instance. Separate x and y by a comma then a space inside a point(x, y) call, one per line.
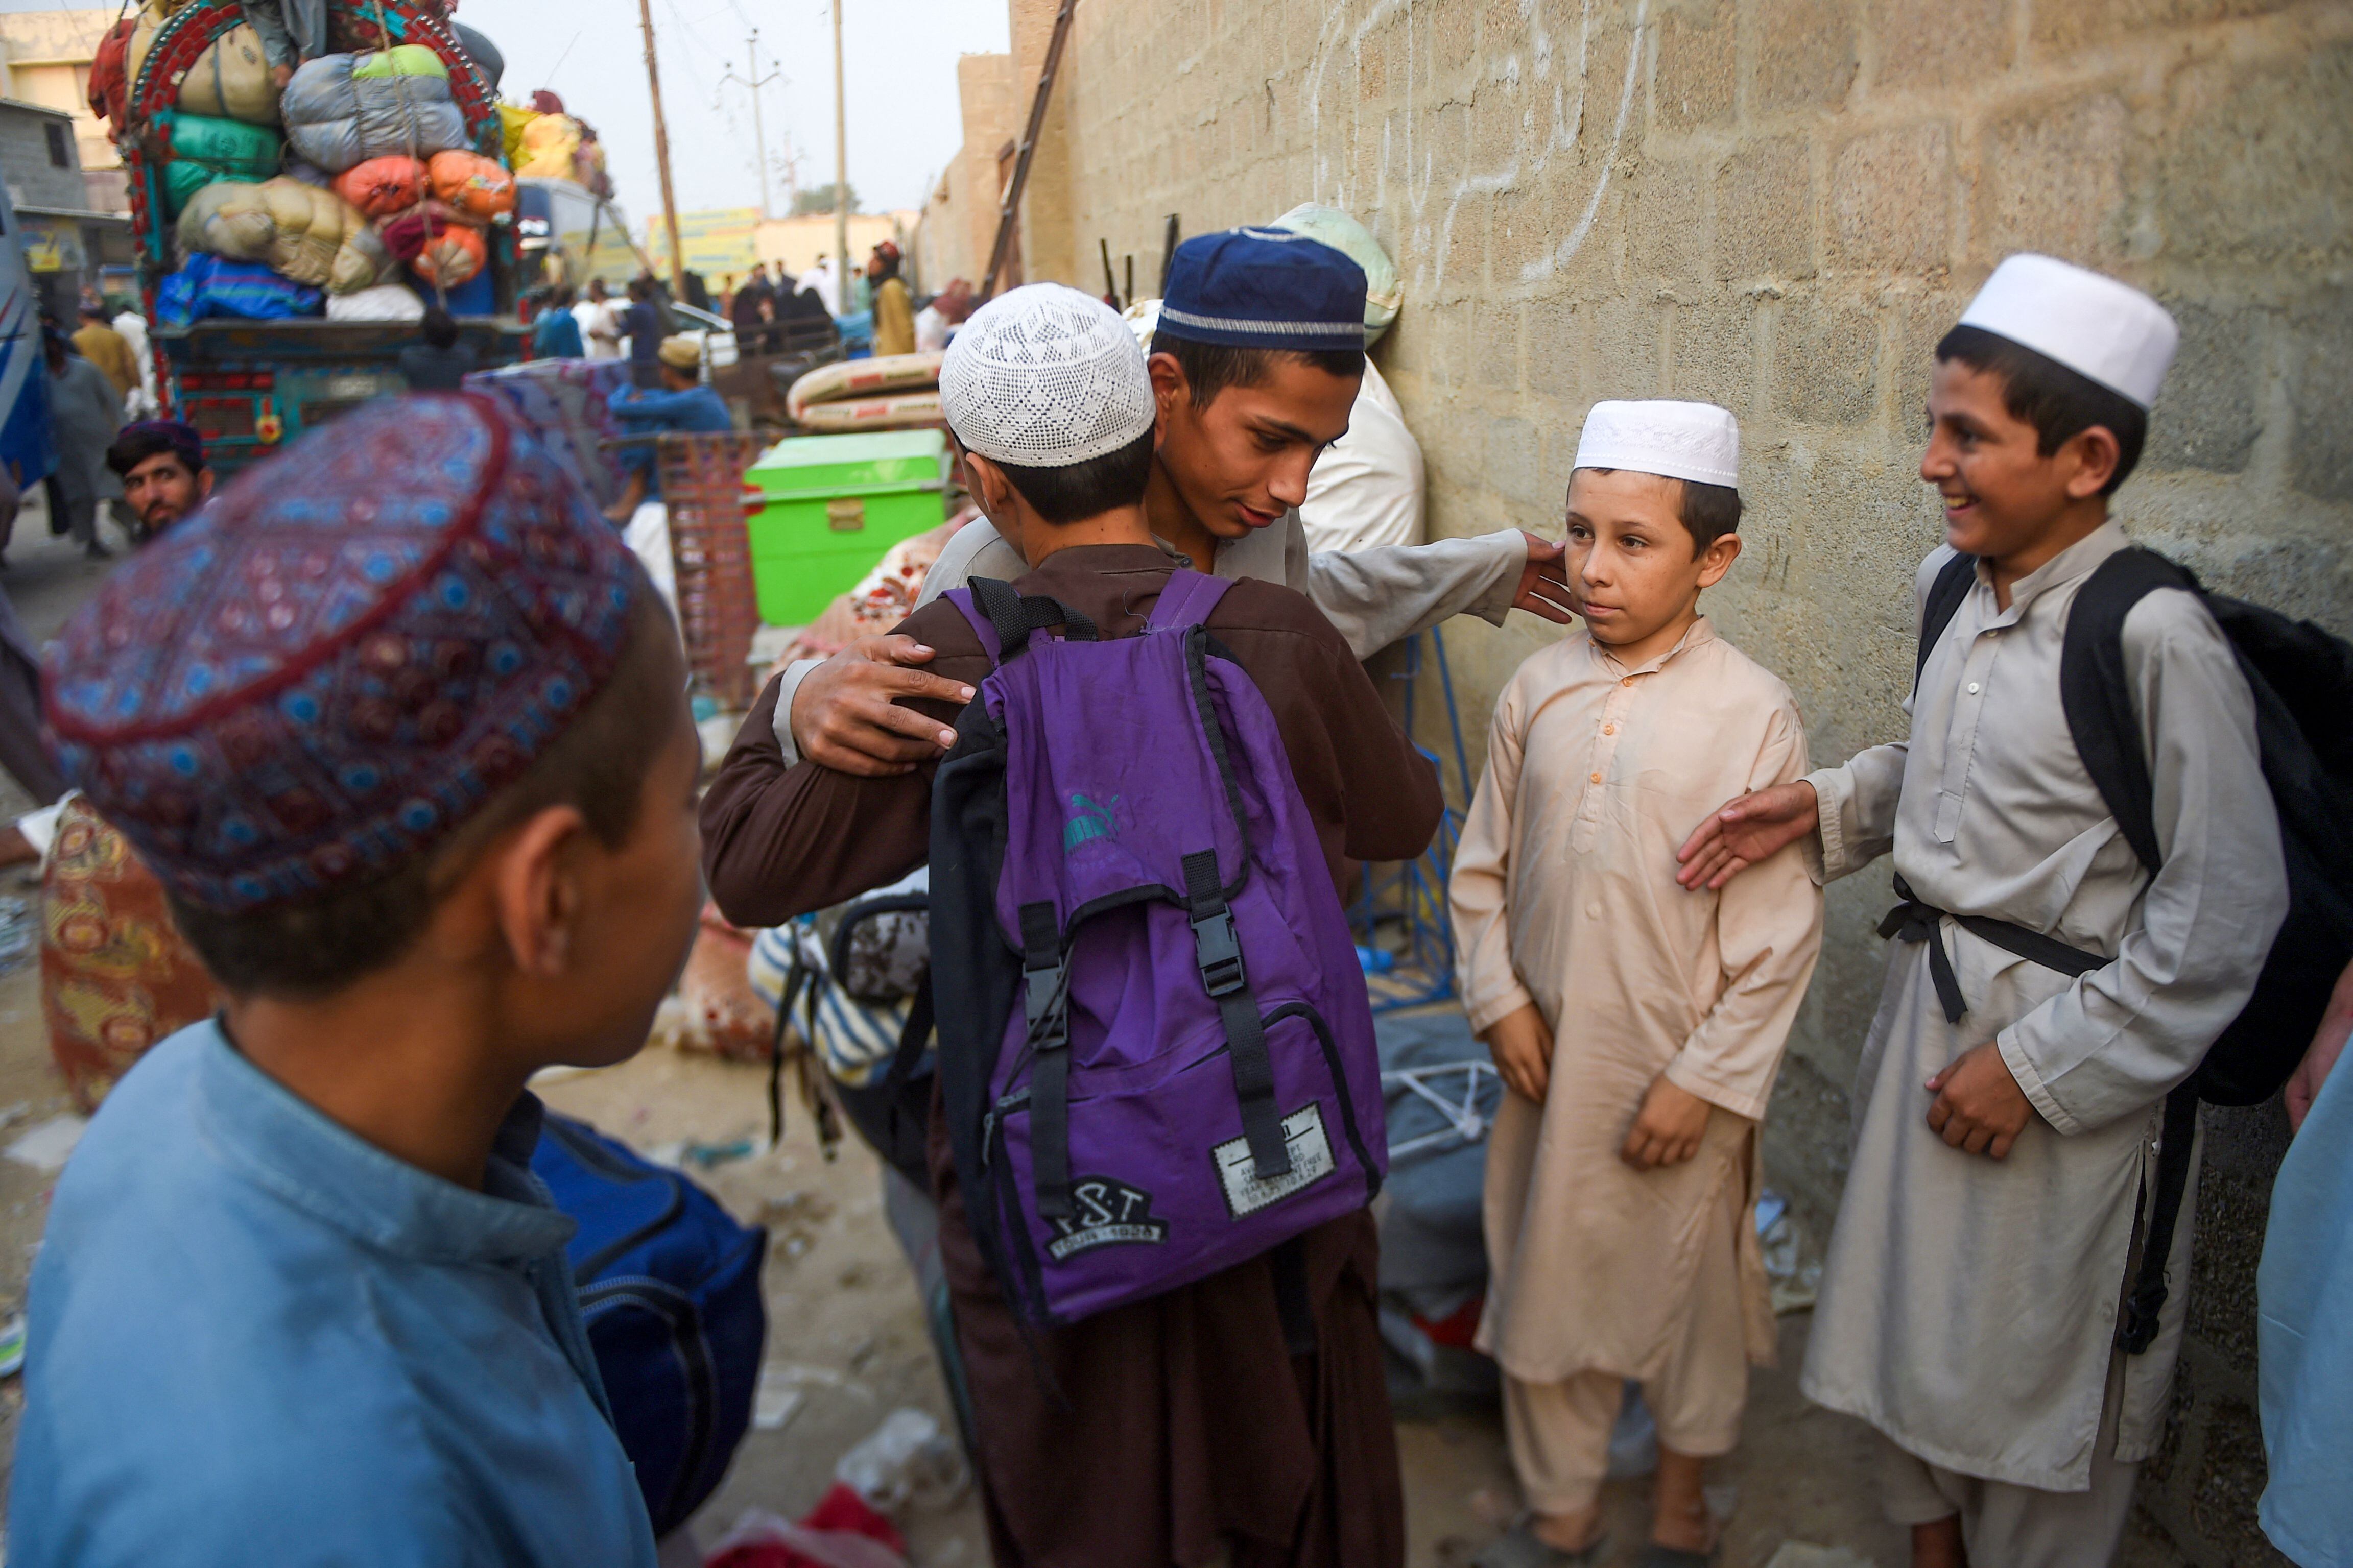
point(1263, 288)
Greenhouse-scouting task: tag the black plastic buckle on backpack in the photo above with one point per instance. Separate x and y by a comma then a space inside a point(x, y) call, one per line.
point(1046, 1006)
point(1219, 951)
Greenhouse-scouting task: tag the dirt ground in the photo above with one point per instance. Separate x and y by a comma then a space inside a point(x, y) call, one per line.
point(846, 1338)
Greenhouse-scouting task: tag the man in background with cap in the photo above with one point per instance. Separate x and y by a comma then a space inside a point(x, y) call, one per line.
point(681, 404)
point(1256, 364)
point(2009, 1101)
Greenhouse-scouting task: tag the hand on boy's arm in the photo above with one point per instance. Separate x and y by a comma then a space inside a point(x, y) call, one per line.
point(1522, 1046)
point(1544, 582)
point(1745, 830)
point(1667, 1128)
point(846, 715)
point(1979, 1108)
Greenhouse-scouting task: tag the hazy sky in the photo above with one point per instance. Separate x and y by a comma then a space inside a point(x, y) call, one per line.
point(899, 55)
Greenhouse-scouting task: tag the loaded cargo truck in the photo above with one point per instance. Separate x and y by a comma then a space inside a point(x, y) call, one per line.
point(252, 384)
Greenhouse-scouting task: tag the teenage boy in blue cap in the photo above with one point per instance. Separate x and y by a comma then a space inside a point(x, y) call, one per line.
point(401, 727)
point(1255, 366)
point(1245, 1412)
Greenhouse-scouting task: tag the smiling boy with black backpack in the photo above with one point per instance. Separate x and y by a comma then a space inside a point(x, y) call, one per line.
point(2092, 867)
point(1159, 1121)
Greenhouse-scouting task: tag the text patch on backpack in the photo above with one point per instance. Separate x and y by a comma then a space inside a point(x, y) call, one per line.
point(1311, 1161)
point(1108, 1214)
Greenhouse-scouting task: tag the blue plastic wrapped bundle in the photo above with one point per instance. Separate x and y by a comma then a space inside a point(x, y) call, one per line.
point(209, 286)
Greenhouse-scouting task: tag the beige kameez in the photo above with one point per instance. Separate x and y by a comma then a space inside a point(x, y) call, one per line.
point(1564, 894)
point(1968, 1306)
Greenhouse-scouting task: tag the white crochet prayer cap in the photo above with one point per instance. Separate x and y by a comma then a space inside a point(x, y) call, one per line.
point(1042, 377)
point(1695, 441)
point(2093, 324)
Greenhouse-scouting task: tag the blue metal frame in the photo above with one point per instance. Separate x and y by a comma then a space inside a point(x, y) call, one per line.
point(1423, 971)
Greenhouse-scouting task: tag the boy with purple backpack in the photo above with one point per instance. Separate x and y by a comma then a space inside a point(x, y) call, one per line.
point(1159, 1116)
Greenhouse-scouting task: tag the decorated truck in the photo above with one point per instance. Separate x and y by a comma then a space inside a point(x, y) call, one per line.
point(291, 235)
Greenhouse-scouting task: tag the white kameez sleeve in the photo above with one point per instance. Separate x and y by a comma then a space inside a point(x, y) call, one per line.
point(2119, 1037)
point(1478, 895)
point(1375, 598)
point(1769, 932)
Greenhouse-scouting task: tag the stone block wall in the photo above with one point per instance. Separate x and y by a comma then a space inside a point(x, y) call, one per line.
point(1780, 205)
point(959, 221)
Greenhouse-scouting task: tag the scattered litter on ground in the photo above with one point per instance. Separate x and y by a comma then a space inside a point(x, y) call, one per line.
point(841, 1531)
point(20, 931)
point(48, 1146)
point(776, 1399)
point(907, 1460)
point(1791, 1269)
point(11, 1346)
point(1800, 1554)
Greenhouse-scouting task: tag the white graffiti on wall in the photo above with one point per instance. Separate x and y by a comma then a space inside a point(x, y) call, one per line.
point(1425, 204)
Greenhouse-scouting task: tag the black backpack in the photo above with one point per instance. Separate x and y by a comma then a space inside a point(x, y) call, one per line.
point(2302, 679)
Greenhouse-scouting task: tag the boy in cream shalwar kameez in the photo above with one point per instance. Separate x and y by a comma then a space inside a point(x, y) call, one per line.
point(1564, 896)
point(1969, 1304)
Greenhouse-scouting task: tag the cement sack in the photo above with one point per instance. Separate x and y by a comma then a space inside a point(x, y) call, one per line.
point(861, 378)
point(379, 302)
point(906, 411)
point(342, 109)
point(304, 233)
point(230, 81)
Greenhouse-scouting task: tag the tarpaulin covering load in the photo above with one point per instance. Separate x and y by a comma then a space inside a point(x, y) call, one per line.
point(204, 150)
point(242, 290)
point(312, 235)
point(231, 79)
point(341, 110)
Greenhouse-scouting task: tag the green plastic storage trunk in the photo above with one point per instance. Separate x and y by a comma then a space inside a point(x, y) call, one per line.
point(835, 504)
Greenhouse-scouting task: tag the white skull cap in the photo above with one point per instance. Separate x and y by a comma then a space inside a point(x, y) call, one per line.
point(1695, 441)
point(1042, 377)
point(2090, 323)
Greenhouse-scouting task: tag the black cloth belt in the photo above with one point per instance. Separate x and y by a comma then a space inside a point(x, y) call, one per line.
point(1916, 920)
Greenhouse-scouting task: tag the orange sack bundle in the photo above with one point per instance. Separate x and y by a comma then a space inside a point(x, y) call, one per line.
point(477, 187)
point(452, 256)
point(382, 186)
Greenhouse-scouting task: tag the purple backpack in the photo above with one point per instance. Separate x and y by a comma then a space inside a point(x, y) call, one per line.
point(1156, 1055)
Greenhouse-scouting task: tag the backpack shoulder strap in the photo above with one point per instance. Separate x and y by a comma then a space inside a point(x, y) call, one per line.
point(1186, 601)
point(1004, 619)
point(1954, 580)
point(2097, 696)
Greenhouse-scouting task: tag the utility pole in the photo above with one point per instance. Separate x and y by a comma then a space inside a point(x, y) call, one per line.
point(840, 166)
point(661, 157)
point(756, 82)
